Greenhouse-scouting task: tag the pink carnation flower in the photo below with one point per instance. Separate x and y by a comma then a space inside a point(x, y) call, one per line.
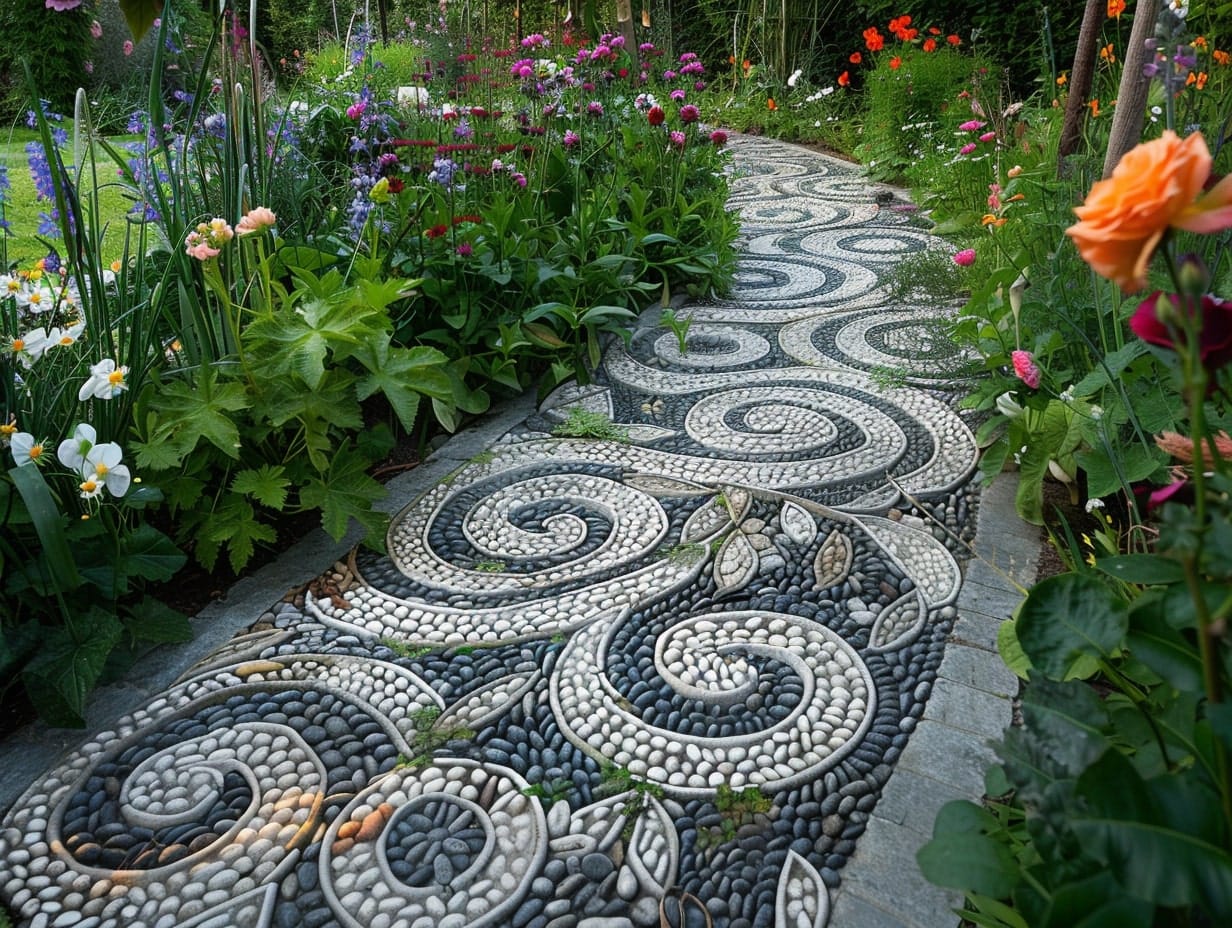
point(965, 258)
point(967, 149)
point(128, 46)
point(1025, 368)
point(971, 125)
point(988, 136)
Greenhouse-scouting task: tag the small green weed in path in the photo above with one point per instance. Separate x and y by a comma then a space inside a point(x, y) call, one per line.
point(584, 423)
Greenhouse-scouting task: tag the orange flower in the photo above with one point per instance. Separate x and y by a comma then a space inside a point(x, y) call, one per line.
point(933, 30)
point(1183, 447)
point(1221, 57)
point(731, 59)
point(994, 221)
point(1199, 41)
point(844, 79)
point(1094, 106)
point(1199, 79)
point(953, 40)
point(771, 105)
point(1155, 187)
point(856, 58)
point(1115, 8)
point(1062, 80)
point(896, 63)
point(930, 45)
point(1106, 54)
point(746, 64)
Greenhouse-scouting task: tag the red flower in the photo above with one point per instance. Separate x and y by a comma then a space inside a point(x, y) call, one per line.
point(655, 116)
point(953, 40)
point(436, 231)
point(874, 41)
point(771, 105)
point(933, 30)
point(930, 45)
point(844, 79)
point(895, 63)
point(1215, 336)
point(856, 58)
point(396, 185)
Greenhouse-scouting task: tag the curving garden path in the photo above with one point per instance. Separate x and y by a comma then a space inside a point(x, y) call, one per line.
point(718, 666)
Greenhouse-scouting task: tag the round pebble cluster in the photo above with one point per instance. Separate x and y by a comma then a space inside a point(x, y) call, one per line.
point(613, 682)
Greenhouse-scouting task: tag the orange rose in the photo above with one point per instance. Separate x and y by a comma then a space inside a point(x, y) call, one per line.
point(1154, 187)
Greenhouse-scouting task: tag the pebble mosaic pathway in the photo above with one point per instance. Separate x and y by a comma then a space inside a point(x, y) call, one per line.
point(657, 678)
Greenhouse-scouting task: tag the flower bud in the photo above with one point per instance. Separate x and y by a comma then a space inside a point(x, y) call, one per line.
point(1193, 276)
point(1008, 406)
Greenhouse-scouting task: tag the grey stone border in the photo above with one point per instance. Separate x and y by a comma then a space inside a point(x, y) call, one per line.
point(945, 758)
point(30, 752)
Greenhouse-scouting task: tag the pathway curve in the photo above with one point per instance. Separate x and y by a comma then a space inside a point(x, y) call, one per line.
point(658, 678)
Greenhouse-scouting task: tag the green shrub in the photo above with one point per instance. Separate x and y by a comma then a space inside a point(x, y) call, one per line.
point(52, 44)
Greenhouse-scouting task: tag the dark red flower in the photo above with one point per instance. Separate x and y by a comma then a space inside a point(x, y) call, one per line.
point(1215, 339)
point(436, 231)
point(656, 116)
point(396, 185)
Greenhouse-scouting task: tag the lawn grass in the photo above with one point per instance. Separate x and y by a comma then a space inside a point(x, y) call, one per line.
point(23, 246)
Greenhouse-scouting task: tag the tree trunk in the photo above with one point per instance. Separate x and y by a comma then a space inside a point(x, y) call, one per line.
point(1081, 77)
point(1131, 96)
point(624, 19)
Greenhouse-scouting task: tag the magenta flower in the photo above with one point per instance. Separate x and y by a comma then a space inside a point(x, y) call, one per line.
point(677, 138)
point(1025, 368)
point(967, 149)
point(464, 250)
point(689, 113)
point(718, 137)
point(971, 125)
point(965, 258)
point(572, 139)
point(62, 6)
point(594, 108)
point(128, 44)
point(355, 110)
point(678, 95)
point(1214, 337)
point(988, 136)
point(96, 29)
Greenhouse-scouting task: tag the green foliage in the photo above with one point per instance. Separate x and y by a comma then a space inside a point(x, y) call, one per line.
point(52, 44)
point(586, 423)
point(736, 808)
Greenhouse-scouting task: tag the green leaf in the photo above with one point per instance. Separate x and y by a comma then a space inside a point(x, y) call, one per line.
point(1133, 461)
point(1155, 642)
point(140, 16)
point(992, 913)
point(1097, 902)
point(18, 642)
point(1011, 651)
point(964, 855)
point(235, 525)
point(148, 553)
point(68, 664)
point(188, 413)
point(1064, 732)
point(1067, 618)
point(1143, 569)
point(49, 524)
point(154, 621)
point(403, 375)
point(267, 485)
point(1160, 839)
point(346, 492)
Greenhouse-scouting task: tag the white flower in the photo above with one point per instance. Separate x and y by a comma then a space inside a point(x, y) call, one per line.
point(1067, 395)
point(62, 338)
point(795, 76)
point(1179, 7)
point(72, 451)
point(103, 468)
point(1097, 412)
point(417, 96)
point(106, 381)
point(1093, 504)
point(25, 449)
point(1008, 406)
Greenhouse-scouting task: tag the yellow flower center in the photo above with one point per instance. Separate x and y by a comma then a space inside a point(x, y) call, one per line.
point(116, 265)
point(36, 451)
point(19, 344)
point(89, 486)
point(115, 377)
point(66, 339)
point(36, 297)
point(100, 469)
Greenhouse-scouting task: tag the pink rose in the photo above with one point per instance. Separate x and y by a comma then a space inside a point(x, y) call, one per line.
point(965, 258)
point(1025, 368)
